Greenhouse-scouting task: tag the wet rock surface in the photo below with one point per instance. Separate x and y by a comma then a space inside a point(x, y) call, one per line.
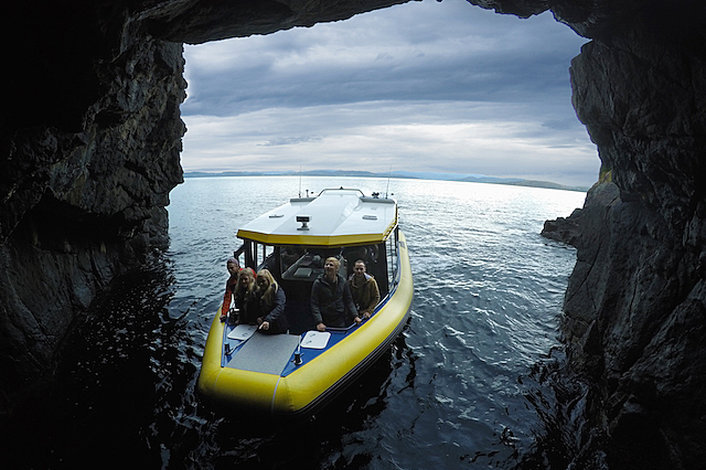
point(633, 326)
point(90, 139)
point(634, 308)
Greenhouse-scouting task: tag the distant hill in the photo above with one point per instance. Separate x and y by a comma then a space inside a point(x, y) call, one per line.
point(393, 174)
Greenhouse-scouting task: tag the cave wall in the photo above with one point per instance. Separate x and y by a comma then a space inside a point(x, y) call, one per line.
point(90, 137)
point(635, 314)
point(90, 140)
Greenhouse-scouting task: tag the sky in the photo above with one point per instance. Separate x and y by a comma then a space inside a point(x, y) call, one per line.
point(442, 87)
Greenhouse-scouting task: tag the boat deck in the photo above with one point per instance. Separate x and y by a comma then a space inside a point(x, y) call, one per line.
point(250, 350)
point(269, 354)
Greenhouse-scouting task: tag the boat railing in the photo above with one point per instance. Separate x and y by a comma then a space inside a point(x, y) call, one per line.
point(341, 329)
point(341, 188)
point(378, 200)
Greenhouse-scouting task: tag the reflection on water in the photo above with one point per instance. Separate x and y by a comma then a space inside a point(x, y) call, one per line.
point(462, 387)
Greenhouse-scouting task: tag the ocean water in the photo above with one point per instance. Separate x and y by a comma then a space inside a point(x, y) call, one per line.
point(460, 387)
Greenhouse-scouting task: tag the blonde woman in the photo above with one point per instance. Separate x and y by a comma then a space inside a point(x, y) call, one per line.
point(245, 299)
point(271, 301)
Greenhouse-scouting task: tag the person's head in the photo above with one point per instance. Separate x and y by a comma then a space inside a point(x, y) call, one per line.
point(232, 266)
point(331, 266)
point(246, 279)
point(265, 279)
point(359, 268)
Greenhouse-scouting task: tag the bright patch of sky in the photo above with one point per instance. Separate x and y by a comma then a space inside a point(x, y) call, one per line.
point(424, 86)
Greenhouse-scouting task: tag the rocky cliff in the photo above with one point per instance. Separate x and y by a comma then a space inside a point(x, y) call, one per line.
point(634, 313)
point(90, 138)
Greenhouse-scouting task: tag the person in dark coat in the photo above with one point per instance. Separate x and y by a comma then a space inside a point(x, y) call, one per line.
point(271, 301)
point(331, 300)
point(245, 298)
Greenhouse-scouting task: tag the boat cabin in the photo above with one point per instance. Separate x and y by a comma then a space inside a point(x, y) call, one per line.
point(293, 241)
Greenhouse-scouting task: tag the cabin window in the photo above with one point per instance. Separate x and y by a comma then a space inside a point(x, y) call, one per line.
point(375, 259)
point(296, 263)
point(257, 256)
point(392, 258)
point(306, 263)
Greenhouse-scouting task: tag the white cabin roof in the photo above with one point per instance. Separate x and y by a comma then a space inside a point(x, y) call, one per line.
point(336, 217)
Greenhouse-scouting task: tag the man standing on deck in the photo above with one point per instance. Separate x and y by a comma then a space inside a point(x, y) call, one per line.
point(331, 300)
point(365, 291)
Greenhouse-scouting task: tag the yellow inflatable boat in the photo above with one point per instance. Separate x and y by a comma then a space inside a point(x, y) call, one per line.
point(296, 372)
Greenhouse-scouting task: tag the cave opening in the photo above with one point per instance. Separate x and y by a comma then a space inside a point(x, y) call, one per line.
point(640, 80)
point(435, 89)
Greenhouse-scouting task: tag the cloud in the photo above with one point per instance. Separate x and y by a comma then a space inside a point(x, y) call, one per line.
point(427, 85)
point(378, 136)
point(281, 140)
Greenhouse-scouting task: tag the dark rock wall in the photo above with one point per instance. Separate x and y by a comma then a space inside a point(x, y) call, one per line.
point(635, 307)
point(90, 138)
point(90, 143)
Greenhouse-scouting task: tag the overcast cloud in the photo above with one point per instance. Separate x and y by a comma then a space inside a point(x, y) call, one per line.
point(424, 86)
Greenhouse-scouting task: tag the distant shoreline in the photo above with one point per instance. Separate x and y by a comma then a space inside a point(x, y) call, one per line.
point(394, 174)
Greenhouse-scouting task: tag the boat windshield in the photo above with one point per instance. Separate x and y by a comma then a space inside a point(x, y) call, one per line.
point(306, 263)
point(300, 263)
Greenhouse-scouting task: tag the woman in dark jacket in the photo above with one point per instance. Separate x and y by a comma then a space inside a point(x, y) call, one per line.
point(331, 299)
point(245, 298)
point(271, 301)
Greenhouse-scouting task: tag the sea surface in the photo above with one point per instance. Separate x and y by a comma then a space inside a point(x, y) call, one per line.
point(460, 388)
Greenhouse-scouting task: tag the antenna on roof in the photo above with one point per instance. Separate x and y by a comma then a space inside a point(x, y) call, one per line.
point(300, 181)
point(387, 190)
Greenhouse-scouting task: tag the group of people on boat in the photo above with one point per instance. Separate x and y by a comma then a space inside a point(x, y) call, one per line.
point(335, 301)
point(258, 298)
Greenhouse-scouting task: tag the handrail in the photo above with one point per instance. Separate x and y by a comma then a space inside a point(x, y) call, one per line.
point(341, 189)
